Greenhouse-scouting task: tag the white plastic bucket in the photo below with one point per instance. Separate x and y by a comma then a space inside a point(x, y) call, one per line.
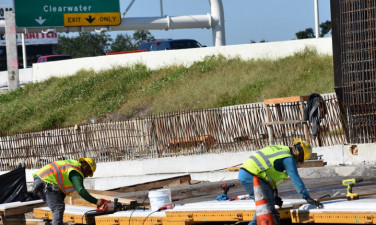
point(160, 198)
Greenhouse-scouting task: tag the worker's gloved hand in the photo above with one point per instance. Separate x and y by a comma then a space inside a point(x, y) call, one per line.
point(100, 202)
point(314, 202)
point(278, 201)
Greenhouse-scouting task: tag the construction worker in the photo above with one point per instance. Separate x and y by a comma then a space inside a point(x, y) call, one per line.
point(272, 165)
point(60, 178)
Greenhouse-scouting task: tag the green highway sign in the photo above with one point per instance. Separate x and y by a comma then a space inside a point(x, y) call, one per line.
point(50, 13)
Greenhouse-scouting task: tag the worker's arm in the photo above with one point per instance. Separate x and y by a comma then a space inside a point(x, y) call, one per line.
point(78, 183)
point(292, 170)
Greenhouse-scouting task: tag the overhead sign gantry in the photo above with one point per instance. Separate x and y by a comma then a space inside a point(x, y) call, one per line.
point(59, 13)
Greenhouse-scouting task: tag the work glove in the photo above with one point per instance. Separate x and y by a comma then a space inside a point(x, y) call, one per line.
point(278, 201)
point(222, 197)
point(314, 202)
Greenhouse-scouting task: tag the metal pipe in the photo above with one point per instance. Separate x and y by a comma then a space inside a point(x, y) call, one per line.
point(23, 50)
point(316, 3)
point(161, 3)
point(218, 25)
point(129, 6)
point(135, 23)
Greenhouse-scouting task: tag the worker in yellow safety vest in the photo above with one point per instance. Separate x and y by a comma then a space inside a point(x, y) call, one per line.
point(60, 178)
point(272, 165)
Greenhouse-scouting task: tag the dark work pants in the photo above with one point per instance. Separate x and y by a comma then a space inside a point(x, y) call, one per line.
point(53, 198)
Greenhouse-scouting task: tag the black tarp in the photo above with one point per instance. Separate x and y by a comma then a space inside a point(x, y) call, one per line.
point(13, 186)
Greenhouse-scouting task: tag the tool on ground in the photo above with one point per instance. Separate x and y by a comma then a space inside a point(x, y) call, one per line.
point(225, 188)
point(110, 207)
point(350, 184)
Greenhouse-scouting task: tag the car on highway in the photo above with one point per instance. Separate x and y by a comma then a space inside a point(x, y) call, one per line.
point(50, 58)
point(170, 44)
point(149, 46)
point(178, 44)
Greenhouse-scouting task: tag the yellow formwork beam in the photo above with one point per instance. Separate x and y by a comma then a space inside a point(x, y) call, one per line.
point(217, 216)
point(113, 220)
point(184, 217)
point(339, 217)
point(41, 213)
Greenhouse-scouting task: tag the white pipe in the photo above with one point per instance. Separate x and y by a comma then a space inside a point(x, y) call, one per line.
point(316, 3)
point(23, 50)
point(218, 25)
point(135, 23)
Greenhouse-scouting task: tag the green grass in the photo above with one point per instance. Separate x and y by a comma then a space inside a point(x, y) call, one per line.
point(138, 91)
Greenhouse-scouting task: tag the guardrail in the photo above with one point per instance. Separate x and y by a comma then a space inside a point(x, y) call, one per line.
point(208, 131)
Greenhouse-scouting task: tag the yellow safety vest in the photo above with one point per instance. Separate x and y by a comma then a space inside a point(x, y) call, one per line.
point(261, 164)
point(58, 173)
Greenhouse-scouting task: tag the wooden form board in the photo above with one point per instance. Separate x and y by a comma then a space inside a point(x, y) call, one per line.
point(162, 183)
point(269, 121)
point(273, 101)
point(19, 208)
point(21, 221)
point(77, 199)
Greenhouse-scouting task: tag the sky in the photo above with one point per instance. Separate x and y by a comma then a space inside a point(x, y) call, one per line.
point(245, 20)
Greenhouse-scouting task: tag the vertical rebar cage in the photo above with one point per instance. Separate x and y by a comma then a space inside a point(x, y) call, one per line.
point(354, 58)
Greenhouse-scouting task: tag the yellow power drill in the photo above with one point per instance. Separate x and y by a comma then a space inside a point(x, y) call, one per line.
point(350, 184)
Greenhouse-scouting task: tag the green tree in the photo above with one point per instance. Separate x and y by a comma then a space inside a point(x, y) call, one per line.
point(123, 42)
point(325, 27)
point(84, 45)
point(142, 36)
point(307, 33)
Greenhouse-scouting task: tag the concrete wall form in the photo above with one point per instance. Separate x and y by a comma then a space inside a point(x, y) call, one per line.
point(342, 160)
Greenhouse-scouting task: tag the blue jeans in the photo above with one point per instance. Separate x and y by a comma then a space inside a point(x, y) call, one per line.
point(53, 198)
point(248, 186)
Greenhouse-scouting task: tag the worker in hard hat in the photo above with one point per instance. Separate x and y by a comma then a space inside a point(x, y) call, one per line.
point(60, 178)
point(272, 165)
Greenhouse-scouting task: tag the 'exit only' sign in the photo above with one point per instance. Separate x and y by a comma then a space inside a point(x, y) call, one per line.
point(56, 13)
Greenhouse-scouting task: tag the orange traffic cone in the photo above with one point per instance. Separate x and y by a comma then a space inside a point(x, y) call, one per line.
point(263, 211)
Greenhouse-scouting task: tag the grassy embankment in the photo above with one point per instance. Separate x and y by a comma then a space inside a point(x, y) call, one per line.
point(137, 91)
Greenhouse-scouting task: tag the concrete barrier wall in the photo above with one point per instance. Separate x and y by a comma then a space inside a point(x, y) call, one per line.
point(155, 60)
point(25, 76)
point(158, 59)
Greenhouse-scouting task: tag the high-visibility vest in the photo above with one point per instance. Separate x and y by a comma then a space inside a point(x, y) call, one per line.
point(58, 173)
point(261, 164)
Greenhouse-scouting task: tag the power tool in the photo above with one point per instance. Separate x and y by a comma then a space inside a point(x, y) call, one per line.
point(110, 207)
point(226, 187)
point(350, 184)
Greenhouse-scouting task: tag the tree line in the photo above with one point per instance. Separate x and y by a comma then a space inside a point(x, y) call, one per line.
point(94, 44)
